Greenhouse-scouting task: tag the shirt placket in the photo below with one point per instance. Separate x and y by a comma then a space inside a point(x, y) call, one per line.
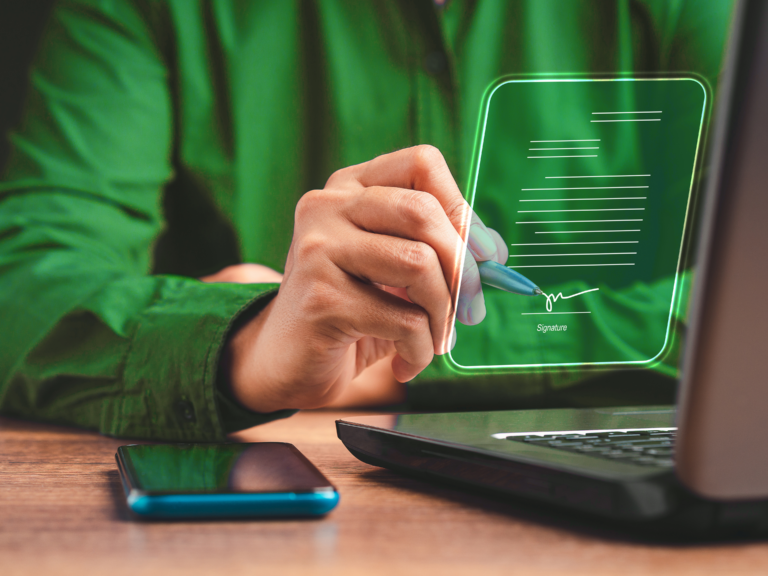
point(434, 118)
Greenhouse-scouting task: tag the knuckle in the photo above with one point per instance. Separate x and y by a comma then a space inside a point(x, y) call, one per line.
point(318, 300)
point(416, 256)
point(427, 157)
point(414, 321)
point(308, 204)
point(457, 211)
point(337, 177)
point(308, 247)
point(419, 208)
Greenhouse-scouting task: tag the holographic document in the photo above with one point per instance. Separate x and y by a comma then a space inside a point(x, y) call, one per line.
point(590, 183)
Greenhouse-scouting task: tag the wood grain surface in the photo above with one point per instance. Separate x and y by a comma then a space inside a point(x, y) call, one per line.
point(62, 511)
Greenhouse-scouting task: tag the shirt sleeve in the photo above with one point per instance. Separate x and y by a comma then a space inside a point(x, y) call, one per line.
point(89, 337)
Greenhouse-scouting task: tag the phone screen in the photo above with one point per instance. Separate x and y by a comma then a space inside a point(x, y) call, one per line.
point(221, 468)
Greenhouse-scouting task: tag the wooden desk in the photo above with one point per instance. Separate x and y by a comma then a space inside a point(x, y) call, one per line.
point(62, 512)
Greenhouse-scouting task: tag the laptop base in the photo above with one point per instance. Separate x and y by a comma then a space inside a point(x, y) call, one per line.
point(646, 500)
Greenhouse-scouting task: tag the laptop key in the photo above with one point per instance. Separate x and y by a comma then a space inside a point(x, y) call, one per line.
point(645, 460)
point(660, 452)
point(618, 455)
point(536, 438)
point(644, 443)
point(591, 448)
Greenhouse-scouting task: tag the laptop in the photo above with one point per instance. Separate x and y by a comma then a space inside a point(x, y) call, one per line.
point(702, 463)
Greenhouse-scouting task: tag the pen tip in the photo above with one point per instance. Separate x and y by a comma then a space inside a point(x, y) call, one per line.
point(537, 291)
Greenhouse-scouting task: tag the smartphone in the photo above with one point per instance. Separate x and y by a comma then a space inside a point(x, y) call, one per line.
point(222, 480)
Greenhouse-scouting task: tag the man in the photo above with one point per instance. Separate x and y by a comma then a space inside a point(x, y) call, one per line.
point(167, 141)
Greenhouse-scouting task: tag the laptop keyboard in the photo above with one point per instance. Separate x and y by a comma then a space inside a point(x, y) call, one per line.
point(644, 447)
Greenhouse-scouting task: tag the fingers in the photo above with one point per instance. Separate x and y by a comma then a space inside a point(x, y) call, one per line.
point(502, 250)
point(408, 214)
point(369, 311)
point(419, 168)
point(470, 308)
point(416, 216)
point(423, 168)
point(411, 194)
point(375, 386)
point(401, 264)
point(481, 243)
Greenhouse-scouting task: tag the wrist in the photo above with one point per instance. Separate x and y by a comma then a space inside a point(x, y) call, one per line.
point(239, 369)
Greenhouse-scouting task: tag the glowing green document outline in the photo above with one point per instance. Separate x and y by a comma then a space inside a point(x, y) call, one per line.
point(474, 176)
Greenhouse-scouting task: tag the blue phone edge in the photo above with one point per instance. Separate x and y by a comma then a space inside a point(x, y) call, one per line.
point(233, 505)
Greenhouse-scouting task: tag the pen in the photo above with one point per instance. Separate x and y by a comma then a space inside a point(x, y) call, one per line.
point(499, 276)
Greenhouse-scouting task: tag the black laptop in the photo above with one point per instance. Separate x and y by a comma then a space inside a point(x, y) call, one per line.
point(705, 460)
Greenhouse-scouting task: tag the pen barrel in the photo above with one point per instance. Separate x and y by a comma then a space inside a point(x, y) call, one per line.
point(499, 276)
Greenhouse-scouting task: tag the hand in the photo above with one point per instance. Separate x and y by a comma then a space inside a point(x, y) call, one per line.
point(374, 386)
point(371, 271)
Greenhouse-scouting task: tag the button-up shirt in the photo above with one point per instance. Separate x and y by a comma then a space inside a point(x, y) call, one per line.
point(165, 140)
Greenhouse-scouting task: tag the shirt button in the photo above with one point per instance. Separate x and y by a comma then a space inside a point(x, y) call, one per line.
point(436, 62)
point(185, 410)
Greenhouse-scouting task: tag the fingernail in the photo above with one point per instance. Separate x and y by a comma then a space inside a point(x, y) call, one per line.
point(481, 243)
point(453, 338)
point(476, 309)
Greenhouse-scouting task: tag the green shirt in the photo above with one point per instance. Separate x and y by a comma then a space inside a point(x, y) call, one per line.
point(165, 140)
